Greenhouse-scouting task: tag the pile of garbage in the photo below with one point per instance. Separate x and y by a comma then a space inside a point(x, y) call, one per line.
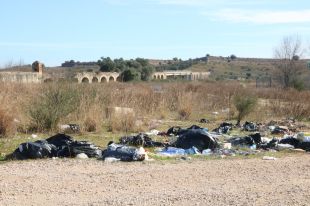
point(60, 145)
point(194, 140)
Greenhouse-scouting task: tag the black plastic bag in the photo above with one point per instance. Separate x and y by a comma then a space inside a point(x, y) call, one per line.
point(195, 138)
point(34, 150)
point(122, 152)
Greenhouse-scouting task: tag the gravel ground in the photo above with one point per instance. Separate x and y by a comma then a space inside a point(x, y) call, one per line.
point(285, 181)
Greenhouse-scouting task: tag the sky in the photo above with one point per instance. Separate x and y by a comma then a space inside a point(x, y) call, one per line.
point(53, 31)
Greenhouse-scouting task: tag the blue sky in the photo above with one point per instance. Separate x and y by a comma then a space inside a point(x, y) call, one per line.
point(53, 31)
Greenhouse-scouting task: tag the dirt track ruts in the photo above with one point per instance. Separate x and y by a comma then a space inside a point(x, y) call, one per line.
point(285, 181)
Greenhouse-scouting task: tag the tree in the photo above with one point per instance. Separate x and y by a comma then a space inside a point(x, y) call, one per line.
point(130, 75)
point(233, 57)
point(288, 54)
point(147, 72)
point(244, 105)
point(106, 64)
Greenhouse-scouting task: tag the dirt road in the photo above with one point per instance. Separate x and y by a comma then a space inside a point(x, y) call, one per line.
point(285, 181)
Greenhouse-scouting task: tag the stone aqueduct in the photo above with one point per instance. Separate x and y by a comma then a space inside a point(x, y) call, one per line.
point(38, 76)
point(101, 77)
point(186, 75)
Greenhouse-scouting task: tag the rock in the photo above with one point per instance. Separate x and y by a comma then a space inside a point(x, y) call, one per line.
point(111, 160)
point(82, 156)
point(298, 150)
point(269, 158)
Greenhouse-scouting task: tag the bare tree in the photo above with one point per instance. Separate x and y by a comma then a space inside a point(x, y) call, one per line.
point(288, 54)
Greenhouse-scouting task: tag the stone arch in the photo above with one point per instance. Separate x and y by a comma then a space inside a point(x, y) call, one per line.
point(95, 80)
point(154, 77)
point(111, 79)
point(85, 80)
point(103, 79)
point(119, 78)
point(162, 76)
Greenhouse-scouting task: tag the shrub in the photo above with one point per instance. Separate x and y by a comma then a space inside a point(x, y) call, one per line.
point(6, 124)
point(90, 125)
point(185, 112)
point(56, 102)
point(123, 123)
point(244, 105)
point(130, 75)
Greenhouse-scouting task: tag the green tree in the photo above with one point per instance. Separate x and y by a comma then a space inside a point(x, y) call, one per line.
point(146, 73)
point(244, 105)
point(130, 75)
point(106, 64)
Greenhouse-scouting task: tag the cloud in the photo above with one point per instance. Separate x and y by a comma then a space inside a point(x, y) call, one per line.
point(260, 16)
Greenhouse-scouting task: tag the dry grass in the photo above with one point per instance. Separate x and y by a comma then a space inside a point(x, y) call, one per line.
point(186, 100)
point(6, 124)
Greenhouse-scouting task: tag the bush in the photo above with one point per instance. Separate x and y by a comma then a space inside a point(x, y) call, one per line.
point(123, 123)
point(90, 125)
point(6, 124)
point(185, 112)
point(55, 103)
point(244, 105)
point(130, 75)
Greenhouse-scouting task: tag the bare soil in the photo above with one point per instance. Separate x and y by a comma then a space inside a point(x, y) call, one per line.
point(285, 181)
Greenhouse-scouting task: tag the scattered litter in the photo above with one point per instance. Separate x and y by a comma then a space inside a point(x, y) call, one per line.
point(227, 145)
point(124, 153)
point(82, 156)
point(207, 152)
point(186, 158)
point(250, 127)
point(280, 130)
point(140, 140)
point(204, 120)
point(224, 128)
point(111, 159)
point(282, 147)
point(153, 132)
point(69, 128)
point(173, 130)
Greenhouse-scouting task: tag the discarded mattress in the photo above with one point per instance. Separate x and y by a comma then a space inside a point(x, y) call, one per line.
point(124, 153)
